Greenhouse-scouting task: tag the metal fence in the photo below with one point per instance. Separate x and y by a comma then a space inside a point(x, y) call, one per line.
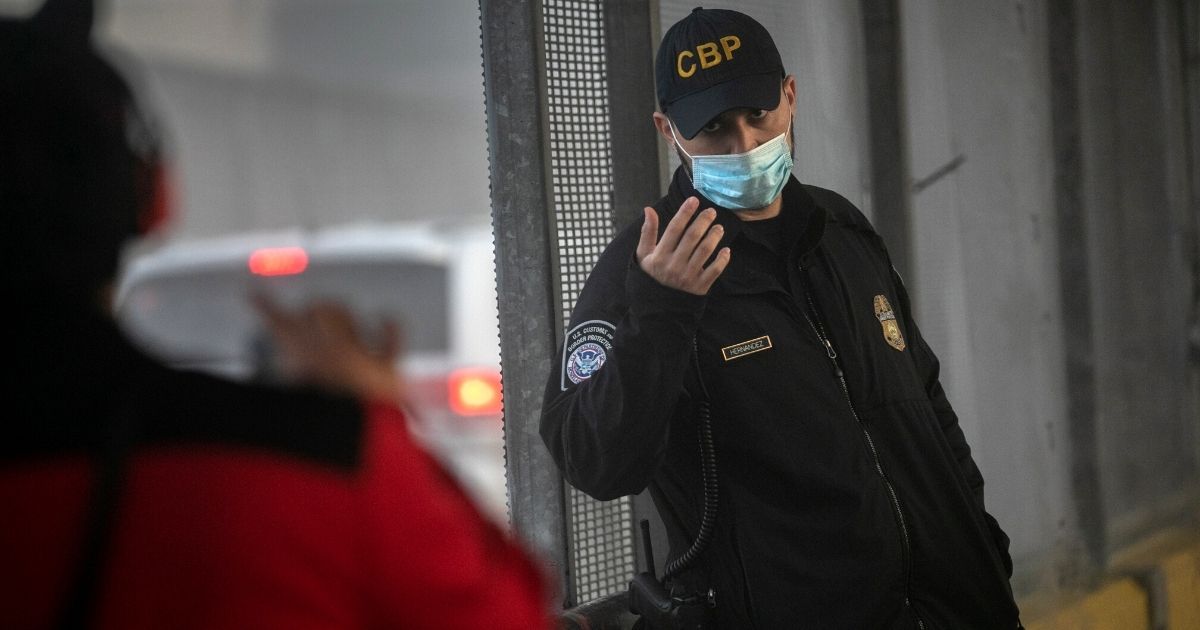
point(552, 121)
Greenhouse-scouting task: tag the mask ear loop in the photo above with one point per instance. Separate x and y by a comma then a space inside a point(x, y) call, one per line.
point(787, 135)
point(671, 126)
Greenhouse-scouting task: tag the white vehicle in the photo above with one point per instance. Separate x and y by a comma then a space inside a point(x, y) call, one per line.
point(189, 304)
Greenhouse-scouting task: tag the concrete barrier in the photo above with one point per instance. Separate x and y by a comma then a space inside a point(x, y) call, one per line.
point(1146, 593)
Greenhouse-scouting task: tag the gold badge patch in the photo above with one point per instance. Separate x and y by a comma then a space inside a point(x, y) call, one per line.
point(887, 319)
point(739, 350)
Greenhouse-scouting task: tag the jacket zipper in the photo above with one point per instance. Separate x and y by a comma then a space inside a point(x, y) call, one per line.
point(819, 329)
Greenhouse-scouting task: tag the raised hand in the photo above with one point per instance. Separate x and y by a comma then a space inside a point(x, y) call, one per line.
point(678, 260)
point(322, 345)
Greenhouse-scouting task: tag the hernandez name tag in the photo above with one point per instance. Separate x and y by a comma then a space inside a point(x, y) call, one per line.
point(739, 350)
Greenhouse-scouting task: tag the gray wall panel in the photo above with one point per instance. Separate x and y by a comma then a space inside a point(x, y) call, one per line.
point(1140, 275)
point(988, 295)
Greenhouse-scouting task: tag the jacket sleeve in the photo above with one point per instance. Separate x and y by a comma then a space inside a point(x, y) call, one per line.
point(929, 368)
point(618, 376)
point(432, 559)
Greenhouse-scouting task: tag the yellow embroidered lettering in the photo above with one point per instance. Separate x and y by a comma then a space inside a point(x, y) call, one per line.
point(709, 56)
point(679, 64)
point(730, 43)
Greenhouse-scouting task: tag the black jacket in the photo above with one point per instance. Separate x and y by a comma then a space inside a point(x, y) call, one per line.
point(848, 497)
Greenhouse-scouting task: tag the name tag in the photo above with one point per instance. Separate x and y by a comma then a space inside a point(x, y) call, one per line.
point(739, 350)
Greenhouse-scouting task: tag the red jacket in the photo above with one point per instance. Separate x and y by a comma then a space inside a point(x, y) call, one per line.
point(243, 507)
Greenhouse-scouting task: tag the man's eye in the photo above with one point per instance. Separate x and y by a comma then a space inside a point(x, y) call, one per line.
point(712, 127)
point(758, 113)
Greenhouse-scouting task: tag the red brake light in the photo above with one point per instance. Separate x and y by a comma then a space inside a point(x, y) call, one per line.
point(475, 392)
point(278, 261)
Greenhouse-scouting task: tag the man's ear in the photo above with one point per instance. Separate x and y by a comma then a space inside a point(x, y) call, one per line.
point(65, 21)
point(663, 124)
point(789, 90)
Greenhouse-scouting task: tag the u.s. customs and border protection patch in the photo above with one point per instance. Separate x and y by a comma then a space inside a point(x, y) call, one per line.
point(887, 319)
point(585, 350)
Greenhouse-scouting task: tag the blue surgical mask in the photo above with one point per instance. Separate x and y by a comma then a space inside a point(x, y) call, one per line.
point(742, 181)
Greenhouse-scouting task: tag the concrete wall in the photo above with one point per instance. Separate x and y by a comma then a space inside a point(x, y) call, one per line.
point(308, 114)
point(984, 243)
point(1054, 266)
point(1136, 191)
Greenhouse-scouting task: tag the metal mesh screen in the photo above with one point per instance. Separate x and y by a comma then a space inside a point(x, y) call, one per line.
point(602, 550)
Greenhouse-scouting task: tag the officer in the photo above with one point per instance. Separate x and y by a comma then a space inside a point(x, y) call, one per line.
point(768, 311)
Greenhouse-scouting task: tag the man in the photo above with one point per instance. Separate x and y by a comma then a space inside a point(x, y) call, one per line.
point(133, 495)
point(845, 494)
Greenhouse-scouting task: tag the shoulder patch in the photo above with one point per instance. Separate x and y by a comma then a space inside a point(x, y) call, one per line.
point(585, 351)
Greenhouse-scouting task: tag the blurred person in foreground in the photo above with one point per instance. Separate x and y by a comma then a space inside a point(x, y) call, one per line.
point(134, 495)
point(748, 353)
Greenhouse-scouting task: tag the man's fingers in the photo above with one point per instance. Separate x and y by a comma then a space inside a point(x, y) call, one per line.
point(694, 235)
point(649, 237)
point(674, 231)
point(706, 246)
point(713, 270)
point(678, 258)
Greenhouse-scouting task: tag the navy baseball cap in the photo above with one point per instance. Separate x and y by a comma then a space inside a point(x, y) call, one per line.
point(712, 61)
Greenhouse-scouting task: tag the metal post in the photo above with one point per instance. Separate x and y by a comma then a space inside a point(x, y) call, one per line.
point(523, 223)
point(890, 187)
point(1189, 37)
point(629, 46)
point(1075, 283)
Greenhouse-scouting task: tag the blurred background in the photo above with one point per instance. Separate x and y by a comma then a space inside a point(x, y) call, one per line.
point(308, 113)
point(1033, 165)
point(332, 149)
